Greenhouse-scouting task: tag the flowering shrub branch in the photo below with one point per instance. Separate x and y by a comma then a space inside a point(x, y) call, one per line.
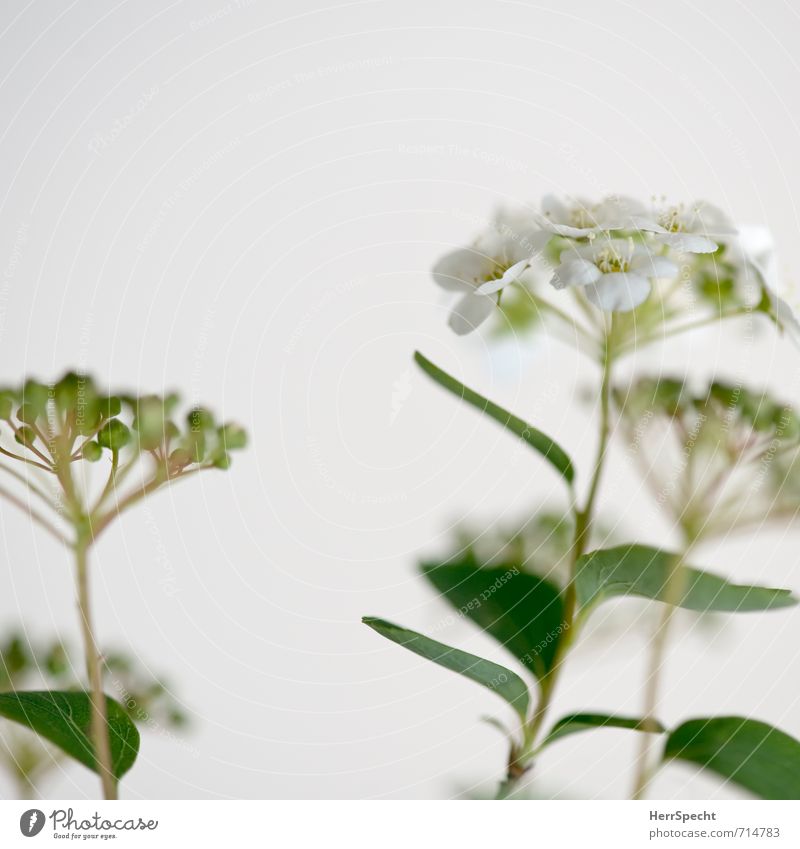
point(613, 277)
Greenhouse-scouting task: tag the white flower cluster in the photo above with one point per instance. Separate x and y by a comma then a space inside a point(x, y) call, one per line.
point(612, 251)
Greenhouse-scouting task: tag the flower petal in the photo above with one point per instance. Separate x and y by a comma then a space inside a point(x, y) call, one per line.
point(690, 243)
point(575, 272)
point(565, 229)
point(784, 315)
point(650, 265)
point(469, 312)
point(462, 270)
point(618, 292)
point(510, 276)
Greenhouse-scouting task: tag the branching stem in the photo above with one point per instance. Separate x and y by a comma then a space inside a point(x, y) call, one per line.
point(520, 761)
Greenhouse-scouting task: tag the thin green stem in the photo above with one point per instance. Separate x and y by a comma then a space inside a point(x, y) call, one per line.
point(683, 328)
point(27, 460)
point(34, 488)
point(162, 476)
point(99, 723)
point(34, 515)
point(110, 483)
point(673, 590)
point(520, 761)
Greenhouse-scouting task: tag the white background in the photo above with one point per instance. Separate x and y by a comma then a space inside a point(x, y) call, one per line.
point(243, 201)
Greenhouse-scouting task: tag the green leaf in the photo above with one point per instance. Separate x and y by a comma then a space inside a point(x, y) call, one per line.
point(756, 756)
point(550, 450)
point(64, 719)
point(523, 612)
point(576, 722)
point(507, 684)
point(642, 571)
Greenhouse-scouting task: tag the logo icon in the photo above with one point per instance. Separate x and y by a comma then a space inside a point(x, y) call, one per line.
point(31, 822)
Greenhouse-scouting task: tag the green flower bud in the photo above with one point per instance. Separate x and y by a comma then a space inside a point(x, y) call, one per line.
point(25, 435)
point(195, 443)
point(28, 414)
point(67, 391)
point(15, 656)
point(150, 422)
point(37, 394)
point(114, 434)
point(232, 436)
point(222, 461)
point(6, 404)
point(56, 661)
point(199, 419)
point(109, 406)
point(180, 458)
point(91, 451)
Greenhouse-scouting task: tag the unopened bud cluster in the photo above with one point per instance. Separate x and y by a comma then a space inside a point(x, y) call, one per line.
point(71, 419)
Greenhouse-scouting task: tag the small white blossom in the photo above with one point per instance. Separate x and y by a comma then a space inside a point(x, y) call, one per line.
point(691, 229)
point(577, 218)
point(495, 260)
point(615, 274)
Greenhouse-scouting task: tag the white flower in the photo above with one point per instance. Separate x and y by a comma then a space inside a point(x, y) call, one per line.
point(495, 260)
point(577, 218)
point(688, 229)
point(615, 274)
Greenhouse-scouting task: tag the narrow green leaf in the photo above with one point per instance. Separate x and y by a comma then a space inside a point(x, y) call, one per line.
point(550, 450)
point(507, 684)
point(642, 571)
point(523, 612)
point(64, 718)
point(756, 756)
point(576, 722)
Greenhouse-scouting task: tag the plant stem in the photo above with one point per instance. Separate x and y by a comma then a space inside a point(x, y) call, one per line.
point(99, 724)
point(673, 590)
point(521, 761)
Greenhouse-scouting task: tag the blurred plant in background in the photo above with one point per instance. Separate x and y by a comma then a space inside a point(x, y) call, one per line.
point(52, 437)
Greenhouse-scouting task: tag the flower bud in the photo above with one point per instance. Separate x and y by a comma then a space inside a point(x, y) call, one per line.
point(91, 451)
point(25, 435)
point(114, 434)
point(150, 422)
point(232, 436)
point(28, 414)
